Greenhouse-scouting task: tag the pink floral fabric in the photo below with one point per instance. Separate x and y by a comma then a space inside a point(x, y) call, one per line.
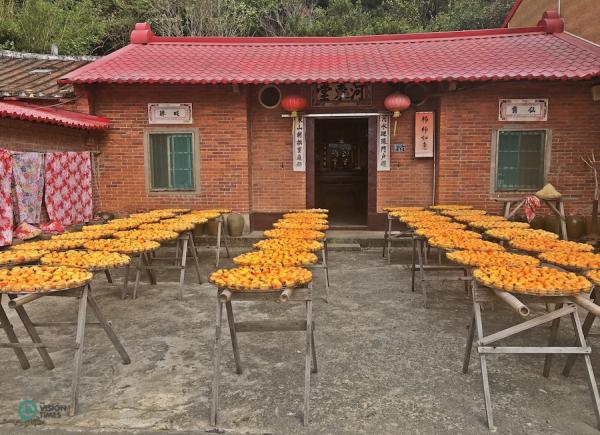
point(6, 211)
point(28, 174)
point(68, 196)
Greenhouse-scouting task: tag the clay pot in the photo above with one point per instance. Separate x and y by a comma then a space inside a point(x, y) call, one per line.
point(588, 226)
point(575, 227)
point(199, 230)
point(538, 223)
point(552, 223)
point(235, 224)
point(212, 226)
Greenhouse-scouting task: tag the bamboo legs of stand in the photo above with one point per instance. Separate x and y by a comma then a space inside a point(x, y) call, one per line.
point(33, 334)
point(487, 345)
point(587, 326)
point(234, 328)
point(12, 337)
point(221, 234)
point(325, 267)
point(85, 299)
point(387, 241)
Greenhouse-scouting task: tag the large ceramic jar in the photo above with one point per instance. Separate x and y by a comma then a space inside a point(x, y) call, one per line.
point(235, 224)
point(212, 227)
point(575, 227)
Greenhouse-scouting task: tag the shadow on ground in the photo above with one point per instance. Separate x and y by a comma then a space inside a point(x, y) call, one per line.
point(387, 365)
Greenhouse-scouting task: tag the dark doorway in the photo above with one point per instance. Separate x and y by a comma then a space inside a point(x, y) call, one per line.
point(341, 171)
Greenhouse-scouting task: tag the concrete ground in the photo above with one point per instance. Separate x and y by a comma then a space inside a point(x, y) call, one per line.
point(387, 365)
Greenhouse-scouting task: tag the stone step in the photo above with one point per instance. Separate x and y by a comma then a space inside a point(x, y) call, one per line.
point(346, 247)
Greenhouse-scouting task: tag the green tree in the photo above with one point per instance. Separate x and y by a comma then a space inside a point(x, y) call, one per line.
point(75, 26)
point(102, 26)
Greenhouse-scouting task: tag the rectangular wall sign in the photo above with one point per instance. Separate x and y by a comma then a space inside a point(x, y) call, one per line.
point(170, 113)
point(383, 143)
point(424, 134)
point(299, 145)
point(523, 110)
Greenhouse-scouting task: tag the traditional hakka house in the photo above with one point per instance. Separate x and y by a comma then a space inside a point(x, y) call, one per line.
point(352, 124)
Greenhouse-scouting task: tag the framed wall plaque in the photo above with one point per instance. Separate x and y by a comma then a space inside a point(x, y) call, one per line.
point(523, 110)
point(170, 113)
point(424, 134)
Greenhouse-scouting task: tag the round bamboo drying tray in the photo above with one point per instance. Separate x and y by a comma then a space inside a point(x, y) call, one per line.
point(14, 280)
point(261, 279)
point(481, 275)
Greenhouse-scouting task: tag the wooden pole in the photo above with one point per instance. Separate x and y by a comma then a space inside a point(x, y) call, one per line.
point(286, 295)
point(513, 302)
point(586, 304)
point(14, 303)
point(225, 295)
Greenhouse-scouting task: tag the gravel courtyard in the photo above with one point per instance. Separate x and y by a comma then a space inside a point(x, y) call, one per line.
point(386, 364)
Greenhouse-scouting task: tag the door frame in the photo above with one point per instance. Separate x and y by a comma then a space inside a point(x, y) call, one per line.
point(371, 162)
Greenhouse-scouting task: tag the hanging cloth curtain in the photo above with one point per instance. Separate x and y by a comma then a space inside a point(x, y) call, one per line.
point(29, 186)
point(6, 211)
point(68, 196)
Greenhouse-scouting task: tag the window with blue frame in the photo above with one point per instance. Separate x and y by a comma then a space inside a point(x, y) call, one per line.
point(171, 161)
point(520, 160)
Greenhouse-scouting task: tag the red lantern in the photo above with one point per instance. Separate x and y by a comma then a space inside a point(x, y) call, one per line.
point(294, 104)
point(396, 103)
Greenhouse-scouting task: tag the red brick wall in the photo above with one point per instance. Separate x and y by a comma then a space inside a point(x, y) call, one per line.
point(275, 187)
point(467, 120)
point(409, 182)
point(220, 116)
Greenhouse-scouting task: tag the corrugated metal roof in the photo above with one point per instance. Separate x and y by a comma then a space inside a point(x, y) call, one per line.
point(28, 75)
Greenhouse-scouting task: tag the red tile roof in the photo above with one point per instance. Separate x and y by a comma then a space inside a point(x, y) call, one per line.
point(541, 53)
point(51, 115)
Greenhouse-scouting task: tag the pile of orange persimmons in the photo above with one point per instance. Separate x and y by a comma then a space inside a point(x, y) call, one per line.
point(66, 257)
point(470, 237)
point(278, 261)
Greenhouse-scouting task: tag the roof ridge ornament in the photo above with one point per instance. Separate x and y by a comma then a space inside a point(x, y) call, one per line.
point(142, 34)
point(552, 22)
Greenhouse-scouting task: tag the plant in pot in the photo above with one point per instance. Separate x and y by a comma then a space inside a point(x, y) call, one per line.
point(594, 165)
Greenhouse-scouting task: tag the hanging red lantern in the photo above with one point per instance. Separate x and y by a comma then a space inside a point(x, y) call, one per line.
point(294, 104)
point(396, 103)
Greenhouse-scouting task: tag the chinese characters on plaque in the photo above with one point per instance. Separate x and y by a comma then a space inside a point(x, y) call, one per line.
point(383, 143)
point(299, 144)
point(341, 94)
point(170, 113)
point(523, 110)
point(424, 130)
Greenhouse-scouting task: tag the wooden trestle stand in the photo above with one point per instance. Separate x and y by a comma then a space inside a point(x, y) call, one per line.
point(487, 344)
point(222, 240)
point(84, 293)
point(147, 261)
point(226, 297)
point(419, 253)
point(556, 205)
point(390, 236)
point(324, 265)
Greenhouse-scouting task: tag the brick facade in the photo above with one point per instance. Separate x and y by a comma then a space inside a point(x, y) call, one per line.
point(219, 115)
point(467, 119)
point(245, 152)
